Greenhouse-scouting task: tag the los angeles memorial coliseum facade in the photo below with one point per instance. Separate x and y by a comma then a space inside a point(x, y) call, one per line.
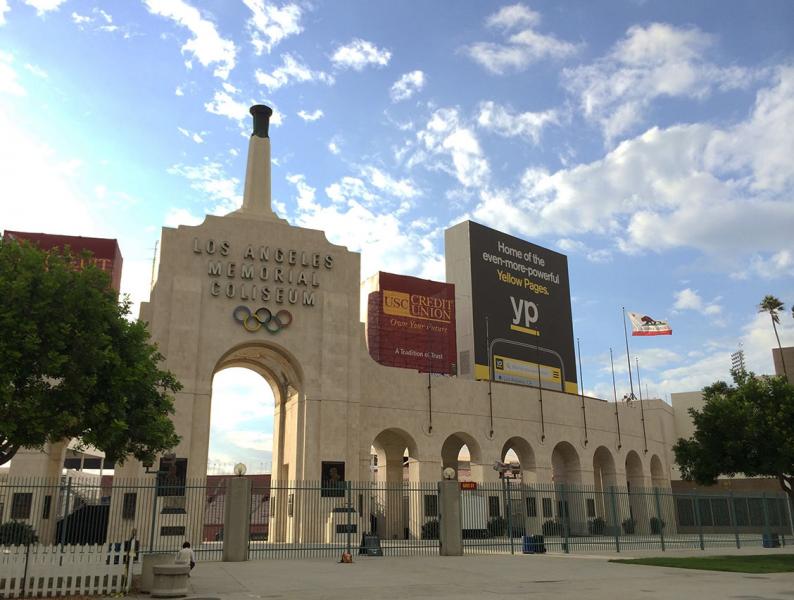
point(250, 290)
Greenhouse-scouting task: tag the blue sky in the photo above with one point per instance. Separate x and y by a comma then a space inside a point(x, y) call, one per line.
point(651, 142)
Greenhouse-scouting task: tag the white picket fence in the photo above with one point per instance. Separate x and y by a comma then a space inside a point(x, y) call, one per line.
point(64, 571)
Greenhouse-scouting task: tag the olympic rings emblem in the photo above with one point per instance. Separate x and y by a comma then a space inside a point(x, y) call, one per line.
point(262, 317)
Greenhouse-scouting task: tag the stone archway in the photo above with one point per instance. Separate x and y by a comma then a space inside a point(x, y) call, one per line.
point(604, 480)
point(391, 513)
point(658, 478)
point(565, 464)
point(525, 456)
point(450, 452)
point(638, 498)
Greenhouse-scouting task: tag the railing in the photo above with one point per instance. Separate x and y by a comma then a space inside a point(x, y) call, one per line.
point(497, 516)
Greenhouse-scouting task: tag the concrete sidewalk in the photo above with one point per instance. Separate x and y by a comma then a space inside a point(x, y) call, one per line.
point(557, 576)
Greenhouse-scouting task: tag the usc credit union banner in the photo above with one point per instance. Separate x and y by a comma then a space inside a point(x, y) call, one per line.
point(411, 324)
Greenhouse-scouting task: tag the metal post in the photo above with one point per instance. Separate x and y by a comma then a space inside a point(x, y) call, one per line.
point(565, 518)
point(614, 503)
point(789, 501)
point(25, 576)
point(659, 516)
point(349, 509)
point(154, 516)
point(66, 511)
point(732, 516)
point(698, 521)
point(506, 494)
point(767, 532)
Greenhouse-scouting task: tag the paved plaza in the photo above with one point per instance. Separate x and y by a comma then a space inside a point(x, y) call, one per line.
point(557, 576)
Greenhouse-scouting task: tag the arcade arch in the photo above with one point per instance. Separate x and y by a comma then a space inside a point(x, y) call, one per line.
point(604, 477)
point(635, 479)
point(452, 452)
point(284, 376)
point(392, 447)
point(565, 464)
point(658, 478)
point(521, 449)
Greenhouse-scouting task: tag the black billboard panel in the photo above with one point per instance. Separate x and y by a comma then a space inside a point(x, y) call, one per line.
point(521, 305)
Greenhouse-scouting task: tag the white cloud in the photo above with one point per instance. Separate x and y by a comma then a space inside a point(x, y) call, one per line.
point(4, 8)
point(9, 83)
point(206, 45)
point(352, 221)
point(44, 6)
point(178, 91)
point(210, 179)
point(224, 105)
point(270, 24)
point(570, 246)
point(513, 16)
point(400, 188)
point(290, 71)
point(333, 147)
point(689, 299)
point(192, 135)
point(650, 62)
point(446, 136)
point(522, 47)
point(407, 85)
point(771, 266)
point(358, 54)
point(310, 116)
point(502, 121)
point(79, 19)
point(688, 186)
point(181, 216)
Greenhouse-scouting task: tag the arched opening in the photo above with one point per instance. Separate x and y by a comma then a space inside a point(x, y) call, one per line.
point(388, 505)
point(462, 452)
point(518, 453)
point(265, 382)
point(658, 478)
point(604, 478)
point(638, 499)
point(241, 423)
point(567, 473)
point(565, 465)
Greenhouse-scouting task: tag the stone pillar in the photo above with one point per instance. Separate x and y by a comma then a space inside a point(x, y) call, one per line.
point(237, 520)
point(450, 533)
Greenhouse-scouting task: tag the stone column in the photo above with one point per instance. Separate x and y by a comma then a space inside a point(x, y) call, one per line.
point(237, 520)
point(450, 533)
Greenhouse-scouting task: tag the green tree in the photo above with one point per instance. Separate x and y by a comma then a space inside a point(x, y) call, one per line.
point(72, 365)
point(772, 305)
point(745, 428)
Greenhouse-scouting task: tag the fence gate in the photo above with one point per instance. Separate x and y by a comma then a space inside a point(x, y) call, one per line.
point(314, 519)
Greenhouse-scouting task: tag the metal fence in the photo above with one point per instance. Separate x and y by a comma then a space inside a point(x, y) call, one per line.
point(325, 519)
point(497, 517)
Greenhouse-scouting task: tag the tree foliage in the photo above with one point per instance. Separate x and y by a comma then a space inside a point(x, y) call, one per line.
point(773, 305)
point(745, 428)
point(72, 365)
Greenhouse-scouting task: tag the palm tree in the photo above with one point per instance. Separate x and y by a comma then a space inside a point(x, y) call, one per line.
point(772, 305)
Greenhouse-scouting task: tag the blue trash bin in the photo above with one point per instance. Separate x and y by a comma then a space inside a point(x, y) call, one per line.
point(528, 544)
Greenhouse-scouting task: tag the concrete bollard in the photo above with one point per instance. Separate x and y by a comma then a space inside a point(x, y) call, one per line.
point(147, 566)
point(170, 581)
point(450, 533)
point(237, 520)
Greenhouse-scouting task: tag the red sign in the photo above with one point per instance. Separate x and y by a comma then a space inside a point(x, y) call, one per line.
point(468, 485)
point(105, 253)
point(411, 324)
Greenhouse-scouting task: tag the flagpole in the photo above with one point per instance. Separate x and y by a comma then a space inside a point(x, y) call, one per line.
point(490, 372)
point(615, 394)
point(581, 387)
point(628, 357)
point(642, 410)
point(540, 394)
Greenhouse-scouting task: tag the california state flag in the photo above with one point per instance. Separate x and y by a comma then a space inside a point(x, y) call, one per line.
point(642, 324)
